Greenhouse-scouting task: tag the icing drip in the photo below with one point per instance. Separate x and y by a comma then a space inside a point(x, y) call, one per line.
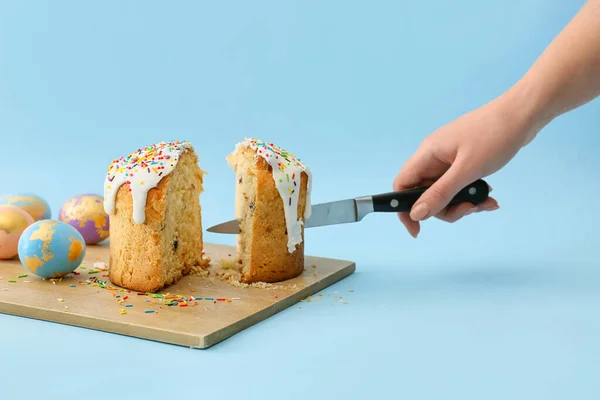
point(287, 170)
point(142, 171)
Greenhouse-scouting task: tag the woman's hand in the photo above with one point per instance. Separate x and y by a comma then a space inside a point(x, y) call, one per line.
point(566, 76)
point(473, 146)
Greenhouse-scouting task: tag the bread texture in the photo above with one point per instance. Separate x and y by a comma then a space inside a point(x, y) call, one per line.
point(270, 247)
point(158, 243)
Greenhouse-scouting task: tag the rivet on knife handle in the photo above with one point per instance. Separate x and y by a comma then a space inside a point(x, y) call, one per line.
point(403, 201)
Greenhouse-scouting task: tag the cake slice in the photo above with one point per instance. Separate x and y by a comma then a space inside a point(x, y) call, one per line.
point(152, 199)
point(272, 202)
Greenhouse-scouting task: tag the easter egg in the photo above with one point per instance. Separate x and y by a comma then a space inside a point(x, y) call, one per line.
point(86, 214)
point(13, 221)
point(51, 249)
point(37, 207)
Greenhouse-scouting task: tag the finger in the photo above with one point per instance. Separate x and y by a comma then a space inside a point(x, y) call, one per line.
point(410, 176)
point(455, 212)
point(418, 169)
point(413, 227)
point(439, 194)
point(490, 204)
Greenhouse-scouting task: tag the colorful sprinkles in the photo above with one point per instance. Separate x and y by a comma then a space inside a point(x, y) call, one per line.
point(156, 301)
point(168, 299)
point(121, 295)
point(283, 158)
point(141, 171)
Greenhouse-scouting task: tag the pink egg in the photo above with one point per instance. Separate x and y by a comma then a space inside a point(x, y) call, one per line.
point(13, 221)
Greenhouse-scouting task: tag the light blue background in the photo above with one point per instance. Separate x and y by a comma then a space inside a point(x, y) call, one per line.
point(501, 305)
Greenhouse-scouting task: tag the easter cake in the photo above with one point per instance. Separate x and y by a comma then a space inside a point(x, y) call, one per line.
point(152, 199)
point(272, 202)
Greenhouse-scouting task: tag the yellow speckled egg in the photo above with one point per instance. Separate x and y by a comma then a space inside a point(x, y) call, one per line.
point(13, 221)
point(37, 207)
point(86, 214)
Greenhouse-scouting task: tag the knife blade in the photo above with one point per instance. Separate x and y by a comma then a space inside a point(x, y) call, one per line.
point(354, 210)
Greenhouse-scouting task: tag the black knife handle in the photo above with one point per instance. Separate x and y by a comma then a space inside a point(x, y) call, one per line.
point(403, 201)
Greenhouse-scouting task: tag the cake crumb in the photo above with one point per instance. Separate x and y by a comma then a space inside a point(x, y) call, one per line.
point(229, 271)
point(227, 264)
point(100, 265)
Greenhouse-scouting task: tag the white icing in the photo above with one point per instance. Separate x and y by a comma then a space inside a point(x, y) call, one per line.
point(141, 171)
point(308, 206)
point(287, 174)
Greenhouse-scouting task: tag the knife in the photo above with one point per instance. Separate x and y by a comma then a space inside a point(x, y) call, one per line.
point(354, 210)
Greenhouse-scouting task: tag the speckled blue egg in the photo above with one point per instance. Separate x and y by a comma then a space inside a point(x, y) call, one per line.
point(36, 206)
point(51, 249)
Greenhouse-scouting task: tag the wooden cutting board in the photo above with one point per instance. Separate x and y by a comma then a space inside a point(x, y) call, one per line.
point(217, 311)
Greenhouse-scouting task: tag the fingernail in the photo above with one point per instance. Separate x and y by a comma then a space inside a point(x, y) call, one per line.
point(491, 188)
point(492, 208)
point(419, 212)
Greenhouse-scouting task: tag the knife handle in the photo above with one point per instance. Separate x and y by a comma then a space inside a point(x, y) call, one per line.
point(403, 201)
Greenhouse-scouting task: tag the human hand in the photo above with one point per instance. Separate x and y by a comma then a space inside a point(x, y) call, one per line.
point(564, 77)
point(474, 146)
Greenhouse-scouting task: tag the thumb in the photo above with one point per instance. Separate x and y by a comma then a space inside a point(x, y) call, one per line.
point(439, 195)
